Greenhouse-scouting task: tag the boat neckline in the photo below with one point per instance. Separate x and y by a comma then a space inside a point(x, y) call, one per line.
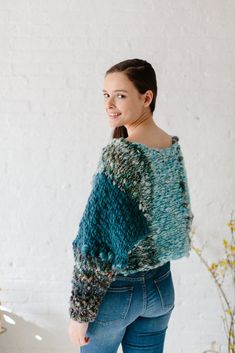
point(174, 139)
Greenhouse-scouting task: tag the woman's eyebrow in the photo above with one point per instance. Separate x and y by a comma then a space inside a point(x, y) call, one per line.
point(117, 90)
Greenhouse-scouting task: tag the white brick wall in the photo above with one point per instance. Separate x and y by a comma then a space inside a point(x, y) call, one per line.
point(53, 55)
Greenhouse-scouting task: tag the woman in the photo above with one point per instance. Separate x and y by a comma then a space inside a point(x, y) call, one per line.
point(137, 219)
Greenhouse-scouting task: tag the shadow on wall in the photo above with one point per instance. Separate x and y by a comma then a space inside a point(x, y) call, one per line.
point(23, 336)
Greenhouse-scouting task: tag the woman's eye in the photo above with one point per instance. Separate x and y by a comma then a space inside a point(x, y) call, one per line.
point(106, 95)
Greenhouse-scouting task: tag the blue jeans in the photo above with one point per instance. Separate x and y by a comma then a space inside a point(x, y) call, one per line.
point(135, 312)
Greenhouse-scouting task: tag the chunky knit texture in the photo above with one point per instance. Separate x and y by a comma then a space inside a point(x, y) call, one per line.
point(138, 217)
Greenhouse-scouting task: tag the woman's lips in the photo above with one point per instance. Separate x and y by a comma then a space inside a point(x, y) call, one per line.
point(114, 115)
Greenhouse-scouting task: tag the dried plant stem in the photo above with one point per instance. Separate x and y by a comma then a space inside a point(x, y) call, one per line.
point(217, 271)
point(219, 288)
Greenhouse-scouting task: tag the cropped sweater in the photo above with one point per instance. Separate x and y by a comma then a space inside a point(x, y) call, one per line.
point(138, 216)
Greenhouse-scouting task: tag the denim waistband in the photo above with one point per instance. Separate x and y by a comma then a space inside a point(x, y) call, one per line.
point(145, 274)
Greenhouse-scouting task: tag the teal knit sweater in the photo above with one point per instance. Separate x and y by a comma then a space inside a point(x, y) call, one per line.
point(138, 217)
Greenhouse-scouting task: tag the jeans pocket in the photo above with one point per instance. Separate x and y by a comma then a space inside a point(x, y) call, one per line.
point(115, 304)
point(165, 289)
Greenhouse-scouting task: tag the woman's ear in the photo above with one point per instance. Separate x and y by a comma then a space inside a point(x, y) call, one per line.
point(148, 98)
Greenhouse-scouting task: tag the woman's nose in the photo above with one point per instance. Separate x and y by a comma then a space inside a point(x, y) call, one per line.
point(110, 102)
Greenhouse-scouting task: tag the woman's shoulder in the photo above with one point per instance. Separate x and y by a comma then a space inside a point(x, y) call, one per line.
point(124, 147)
point(128, 152)
point(121, 155)
point(125, 165)
point(132, 159)
point(155, 141)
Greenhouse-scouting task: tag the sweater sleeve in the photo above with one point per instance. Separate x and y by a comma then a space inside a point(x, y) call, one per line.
point(111, 224)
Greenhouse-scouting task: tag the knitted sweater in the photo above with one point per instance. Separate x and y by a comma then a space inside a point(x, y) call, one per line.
point(138, 217)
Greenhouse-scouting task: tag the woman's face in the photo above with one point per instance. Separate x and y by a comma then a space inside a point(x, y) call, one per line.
point(122, 102)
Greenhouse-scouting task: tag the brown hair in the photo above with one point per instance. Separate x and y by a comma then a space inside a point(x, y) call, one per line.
point(142, 75)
